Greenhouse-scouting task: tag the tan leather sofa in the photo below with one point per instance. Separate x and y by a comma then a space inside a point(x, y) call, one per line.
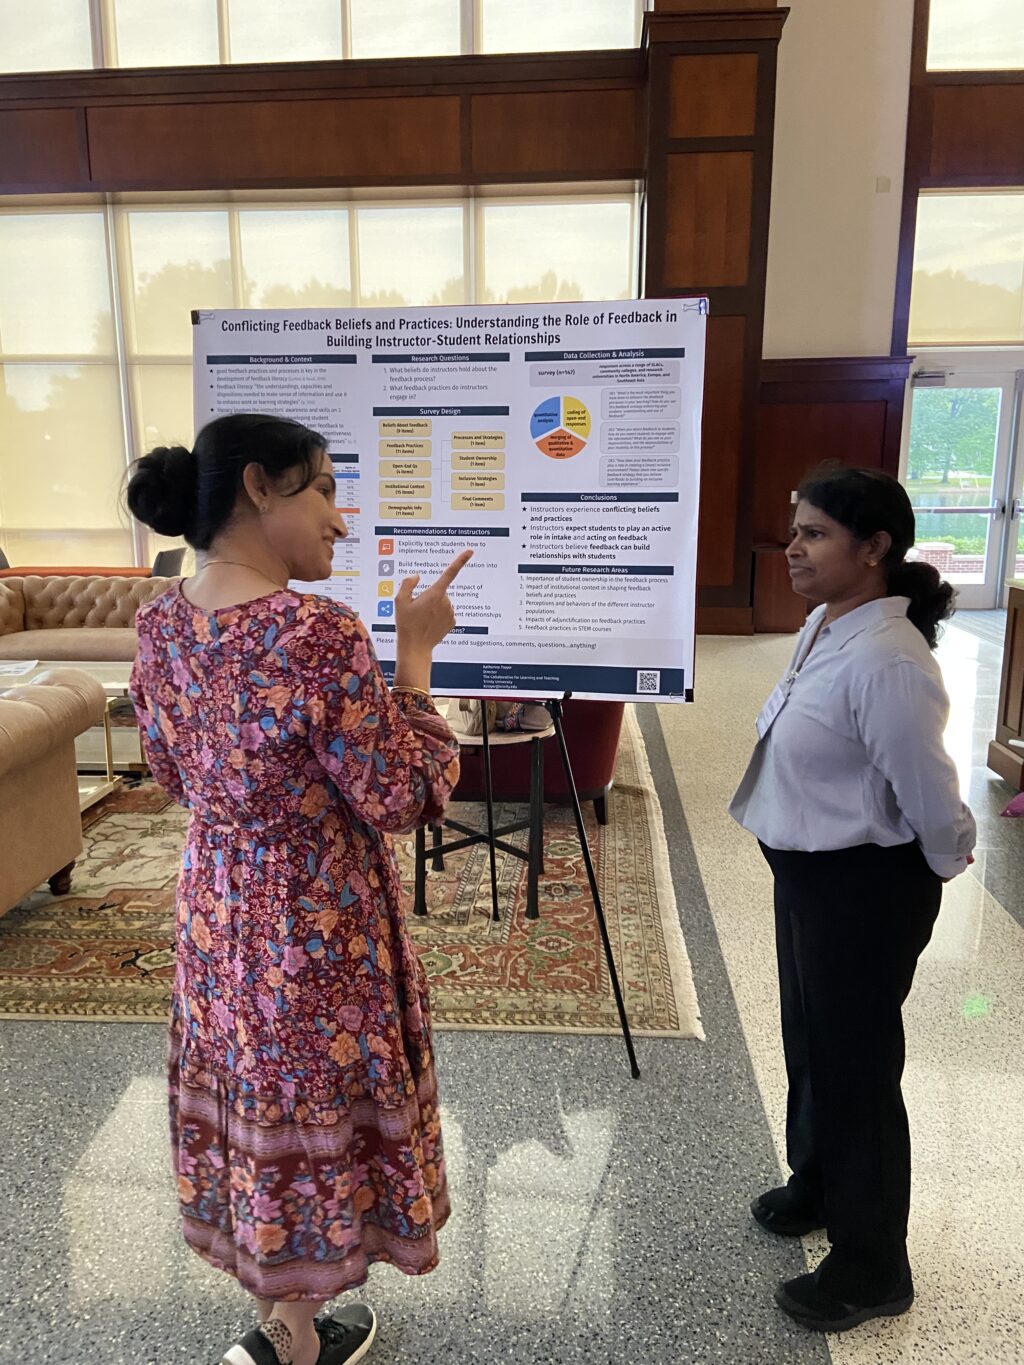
point(88, 618)
point(40, 821)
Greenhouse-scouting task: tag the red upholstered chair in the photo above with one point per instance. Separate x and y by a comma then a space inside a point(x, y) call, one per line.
point(592, 737)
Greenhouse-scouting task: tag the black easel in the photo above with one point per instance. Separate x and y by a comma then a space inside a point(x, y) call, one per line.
point(494, 838)
point(555, 707)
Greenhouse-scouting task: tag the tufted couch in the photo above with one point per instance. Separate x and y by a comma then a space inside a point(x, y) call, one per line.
point(88, 618)
point(40, 822)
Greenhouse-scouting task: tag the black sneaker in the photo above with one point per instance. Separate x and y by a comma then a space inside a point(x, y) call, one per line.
point(346, 1334)
point(811, 1306)
point(781, 1212)
point(345, 1337)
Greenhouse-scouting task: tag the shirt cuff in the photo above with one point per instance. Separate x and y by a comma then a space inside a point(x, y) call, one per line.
point(946, 865)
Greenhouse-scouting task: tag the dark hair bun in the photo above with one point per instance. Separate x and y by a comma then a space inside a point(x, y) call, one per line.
point(932, 599)
point(162, 490)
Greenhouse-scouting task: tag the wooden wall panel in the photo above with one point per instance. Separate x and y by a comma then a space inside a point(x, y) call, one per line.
point(1008, 761)
point(41, 150)
point(283, 142)
point(413, 121)
point(713, 95)
point(847, 409)
point(794, 437)
point(710, 120)
point(596, 132)
point(707, 238)
point(720, 451)
point(777, 608)
point(977, 131)
point(1011, 701)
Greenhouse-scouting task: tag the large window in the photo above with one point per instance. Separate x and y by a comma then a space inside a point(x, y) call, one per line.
point(86, 386)
point(46, 35)
point(58, 35)
point(976, 35)
point(61, 437)
point(968, 286)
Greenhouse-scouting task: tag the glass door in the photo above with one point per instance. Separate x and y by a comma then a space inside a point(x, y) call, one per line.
point(959, 471)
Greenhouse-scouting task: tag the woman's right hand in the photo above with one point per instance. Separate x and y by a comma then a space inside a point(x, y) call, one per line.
point(422, 622)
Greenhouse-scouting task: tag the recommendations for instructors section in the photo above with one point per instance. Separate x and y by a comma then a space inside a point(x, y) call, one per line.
point(560, 441)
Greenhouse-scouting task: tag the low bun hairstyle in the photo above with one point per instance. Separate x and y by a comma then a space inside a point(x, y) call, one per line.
point(866, 501)
point(194, 493)
point(162, 490)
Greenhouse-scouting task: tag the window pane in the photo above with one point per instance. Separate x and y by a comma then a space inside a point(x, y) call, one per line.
point(166, 32)
point(179, 261)
point(54, 285)
point(65, 423)
point(284, 30)
point(296, 258)
point(968, 269)
point(569, 26)
point(411, 257)
point(405, 28)
point(54, 547)
point(46, 35)
point(162, 402)
point(538, 252)
point(976, 35)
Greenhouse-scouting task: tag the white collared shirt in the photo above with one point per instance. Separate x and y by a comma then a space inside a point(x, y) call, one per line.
point(850, 747)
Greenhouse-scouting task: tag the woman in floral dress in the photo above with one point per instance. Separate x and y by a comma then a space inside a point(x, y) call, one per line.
point(304, 1114)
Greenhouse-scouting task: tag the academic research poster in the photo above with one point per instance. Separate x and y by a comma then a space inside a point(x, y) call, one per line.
point(561, 442)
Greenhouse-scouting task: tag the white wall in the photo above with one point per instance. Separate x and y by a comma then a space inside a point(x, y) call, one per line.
point(840, 127)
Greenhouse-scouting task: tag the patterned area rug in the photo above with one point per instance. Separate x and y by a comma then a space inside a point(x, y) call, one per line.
point(105, 952)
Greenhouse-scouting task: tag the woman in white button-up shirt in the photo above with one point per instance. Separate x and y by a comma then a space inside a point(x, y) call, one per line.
point(857, 807)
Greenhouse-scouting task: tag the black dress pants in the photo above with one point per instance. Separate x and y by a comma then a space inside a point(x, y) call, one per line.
point(850, 927)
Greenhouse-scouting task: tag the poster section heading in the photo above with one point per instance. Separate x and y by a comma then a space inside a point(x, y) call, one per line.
point(559, 442)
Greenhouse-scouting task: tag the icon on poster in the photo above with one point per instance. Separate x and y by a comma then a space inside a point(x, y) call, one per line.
point(386, 546)
point(386, 608)
point(386, 588)
point(386, 568)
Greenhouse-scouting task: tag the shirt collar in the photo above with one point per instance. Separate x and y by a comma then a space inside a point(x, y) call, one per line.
point(862, 618)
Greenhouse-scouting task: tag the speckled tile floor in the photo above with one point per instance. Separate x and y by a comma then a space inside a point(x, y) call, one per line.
point(597, 1219)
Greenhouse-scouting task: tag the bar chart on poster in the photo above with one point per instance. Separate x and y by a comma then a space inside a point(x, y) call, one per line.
point(559, 442)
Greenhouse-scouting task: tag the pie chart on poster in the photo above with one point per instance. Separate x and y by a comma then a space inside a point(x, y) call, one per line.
point(560, 427)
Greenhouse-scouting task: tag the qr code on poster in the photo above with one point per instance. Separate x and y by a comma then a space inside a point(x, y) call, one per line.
point(649, 680)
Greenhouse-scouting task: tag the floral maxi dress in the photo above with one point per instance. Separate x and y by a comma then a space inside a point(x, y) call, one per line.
point(304, 1115)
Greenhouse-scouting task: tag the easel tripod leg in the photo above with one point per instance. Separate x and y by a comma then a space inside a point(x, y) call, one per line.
point(556, 716)
point(536, 846)
point(419, 905)
point(437, 853)
point(489, 795)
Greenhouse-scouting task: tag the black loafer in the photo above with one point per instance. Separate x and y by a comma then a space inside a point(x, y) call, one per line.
point(813, 1307)
point(785, 1219)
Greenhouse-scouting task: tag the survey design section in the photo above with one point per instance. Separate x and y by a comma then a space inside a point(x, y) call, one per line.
point(560, 442)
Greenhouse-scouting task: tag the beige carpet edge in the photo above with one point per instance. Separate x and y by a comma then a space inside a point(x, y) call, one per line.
point(683, 985)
